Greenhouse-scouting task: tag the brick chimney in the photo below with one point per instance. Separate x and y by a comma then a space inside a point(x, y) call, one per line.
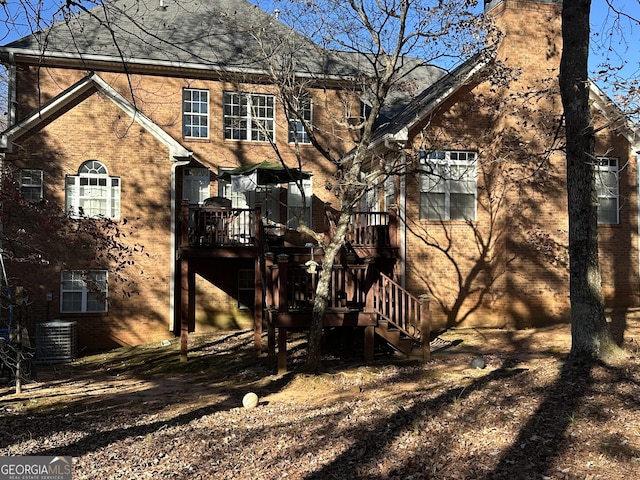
point(532, 34)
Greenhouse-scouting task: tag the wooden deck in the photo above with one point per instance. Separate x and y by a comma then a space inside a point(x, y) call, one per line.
point(361, 296)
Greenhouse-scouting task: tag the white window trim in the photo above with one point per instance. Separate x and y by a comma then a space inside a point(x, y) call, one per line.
point(113, 191)
point(296, 126)
point(27, 177)
point(612, 166)
point(249, 118)
point(84, 290)
point(196, 185)
point(193, 114)
point(294, 202)
point(471, 169)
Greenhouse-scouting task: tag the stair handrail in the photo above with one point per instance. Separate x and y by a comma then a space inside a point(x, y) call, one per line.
point(404, 311)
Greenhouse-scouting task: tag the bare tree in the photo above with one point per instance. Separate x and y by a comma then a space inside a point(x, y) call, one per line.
point(384, 43)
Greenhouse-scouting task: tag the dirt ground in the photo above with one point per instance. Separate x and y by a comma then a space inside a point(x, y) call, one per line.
point(139, 412)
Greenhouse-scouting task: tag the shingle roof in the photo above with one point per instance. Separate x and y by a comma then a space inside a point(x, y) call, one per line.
point(221, 33)
point(407, 114)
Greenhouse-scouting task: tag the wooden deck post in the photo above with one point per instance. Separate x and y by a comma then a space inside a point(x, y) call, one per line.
point(393, 227)
point(184, 309)
point(271, 341)
point(369, 334)
point(269, 261)
point(282, 350)
point(283, 306)
point(425, 326)
point(283, 267)
point(258, 303)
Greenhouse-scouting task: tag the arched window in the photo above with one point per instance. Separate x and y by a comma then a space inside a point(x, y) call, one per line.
point(93, 193)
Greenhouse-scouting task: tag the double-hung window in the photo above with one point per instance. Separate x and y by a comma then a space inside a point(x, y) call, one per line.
point(607, 188)
point(31, 185)
point(297, 131)
point(249, 117)
point(448, 185)
point(93, 193)
point(83, 291)
point(195, 113)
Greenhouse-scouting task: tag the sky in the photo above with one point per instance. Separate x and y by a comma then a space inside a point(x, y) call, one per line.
point(617, 42)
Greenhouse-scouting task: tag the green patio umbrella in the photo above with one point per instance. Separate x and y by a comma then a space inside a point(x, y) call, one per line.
point(266, 173)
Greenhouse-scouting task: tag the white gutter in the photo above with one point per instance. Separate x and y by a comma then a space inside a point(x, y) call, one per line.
point(37, 56)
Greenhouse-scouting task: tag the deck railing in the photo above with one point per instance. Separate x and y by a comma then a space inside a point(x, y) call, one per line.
point(368, 229)
point(401, 309)
point(292, 287)
point(220, 226)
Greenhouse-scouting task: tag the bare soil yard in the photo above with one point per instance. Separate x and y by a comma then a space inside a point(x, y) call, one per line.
point(138, 413)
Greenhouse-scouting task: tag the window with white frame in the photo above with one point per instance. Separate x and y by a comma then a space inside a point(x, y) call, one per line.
point(389, 192)
point(83, 291)
point(92, 193)
point(297, 131)
point(607, 188)
point(195, 113)
point(299, 206)
point(249, 117)
point(31, 185)
point(195, 185)
point(448, 185)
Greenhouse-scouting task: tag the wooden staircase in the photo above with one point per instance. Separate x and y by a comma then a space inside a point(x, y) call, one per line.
point(401, 318)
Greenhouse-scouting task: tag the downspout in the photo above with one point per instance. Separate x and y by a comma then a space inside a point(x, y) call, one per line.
point(11, 92)
point(402, 227)
point(174, 216)
point(5, 141)
point(398, 142)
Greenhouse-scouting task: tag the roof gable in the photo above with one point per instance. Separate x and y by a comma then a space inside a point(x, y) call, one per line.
point(428, 100)
point(616, 117)
point(73, 96)
point(396, 130)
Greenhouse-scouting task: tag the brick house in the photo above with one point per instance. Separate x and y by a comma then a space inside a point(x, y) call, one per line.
point(187, 123)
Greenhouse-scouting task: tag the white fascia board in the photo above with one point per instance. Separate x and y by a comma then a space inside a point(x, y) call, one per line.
point(446, 94)
point(176, 150)
point(432, 105)
point(50, 109)
point(618, 120)
point(41, 58)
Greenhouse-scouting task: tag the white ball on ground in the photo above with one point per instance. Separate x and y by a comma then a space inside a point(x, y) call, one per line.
point(250, 400)
point(478, 362)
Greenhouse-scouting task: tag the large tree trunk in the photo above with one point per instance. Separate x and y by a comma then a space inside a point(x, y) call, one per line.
point(589, 329)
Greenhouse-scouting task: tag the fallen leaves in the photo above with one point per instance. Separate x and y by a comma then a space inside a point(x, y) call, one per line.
point(388, 420)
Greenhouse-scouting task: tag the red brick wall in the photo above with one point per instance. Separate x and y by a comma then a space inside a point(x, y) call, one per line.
point(97, 129)
point(510, 266)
